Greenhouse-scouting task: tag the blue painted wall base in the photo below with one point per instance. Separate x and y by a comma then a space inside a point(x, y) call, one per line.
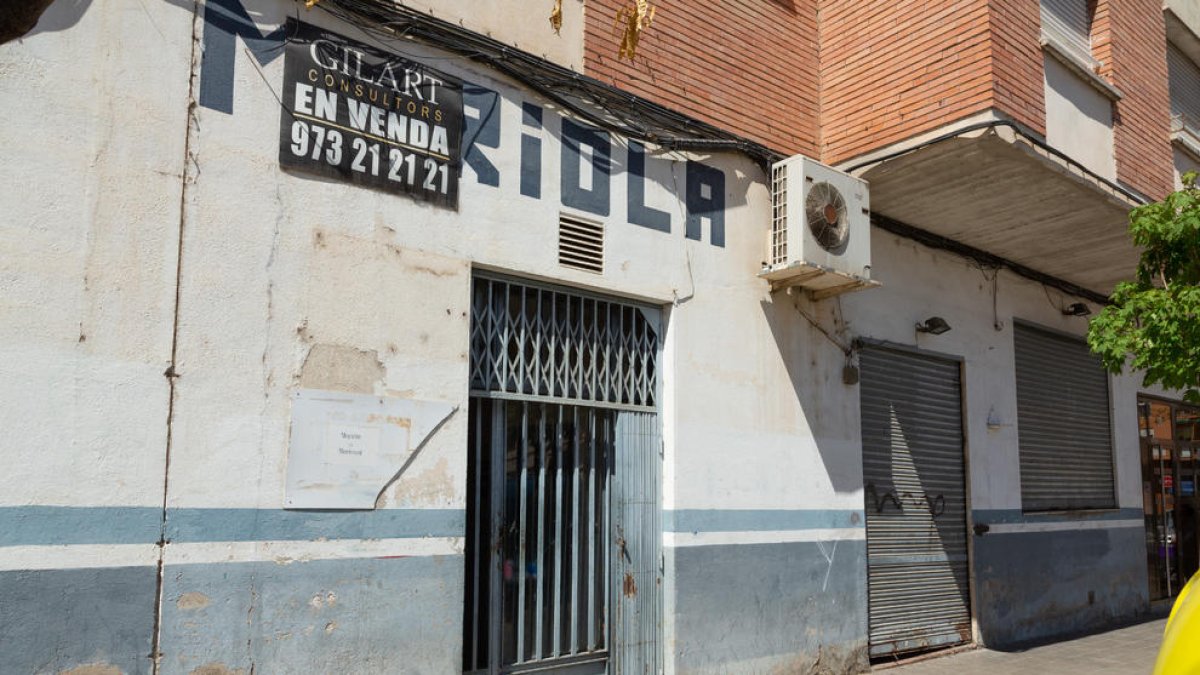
point(393, 615)
point(1035, 586)
point(56, 620)
point(759, 608)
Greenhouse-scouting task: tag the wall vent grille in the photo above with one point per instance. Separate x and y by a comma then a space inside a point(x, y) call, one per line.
point(580, 245)
point(779, 222)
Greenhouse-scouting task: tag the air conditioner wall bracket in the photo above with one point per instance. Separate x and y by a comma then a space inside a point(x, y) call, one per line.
point(817, 281)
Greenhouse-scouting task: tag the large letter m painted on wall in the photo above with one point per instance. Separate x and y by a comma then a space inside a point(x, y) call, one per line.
point(224, 22)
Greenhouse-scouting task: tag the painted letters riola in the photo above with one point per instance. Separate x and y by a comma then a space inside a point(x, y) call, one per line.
point(360, 115)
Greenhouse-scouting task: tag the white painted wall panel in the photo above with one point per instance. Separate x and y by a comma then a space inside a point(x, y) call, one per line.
point(276, 263)
point(1078, 119)
point(93, 146)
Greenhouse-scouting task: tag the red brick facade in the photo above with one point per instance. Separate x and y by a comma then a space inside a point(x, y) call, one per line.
point(1018, 85)
point(835, 79)
point(746, 66)
point(891, 70)
point(1129, 39)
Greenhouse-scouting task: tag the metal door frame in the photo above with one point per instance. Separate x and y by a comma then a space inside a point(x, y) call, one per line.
point(862, 343)
point(610, 658)
point(1193, 445)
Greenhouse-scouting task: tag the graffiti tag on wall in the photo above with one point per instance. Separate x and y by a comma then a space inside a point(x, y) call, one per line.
point(901, 501)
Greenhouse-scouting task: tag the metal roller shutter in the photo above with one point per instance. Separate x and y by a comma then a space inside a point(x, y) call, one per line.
point(1068, 22)
point(637, 594)
point(1063, 424)
point(1185, 86)
point(914, 483)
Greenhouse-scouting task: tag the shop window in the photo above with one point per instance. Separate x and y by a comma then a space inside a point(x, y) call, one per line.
point(1170, 434)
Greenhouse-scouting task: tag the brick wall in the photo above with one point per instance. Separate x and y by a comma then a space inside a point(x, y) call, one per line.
point(749, 66)
point(1019, 89)
point(888, 70)
point(894, 69)
point(1129, 39)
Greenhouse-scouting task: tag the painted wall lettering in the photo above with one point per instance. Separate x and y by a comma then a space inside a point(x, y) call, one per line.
point(531, 151)
point(585, 168)
point(224, 22)
point(639, 213)
point(705, 200)
point(586, 156)
point(481, 127)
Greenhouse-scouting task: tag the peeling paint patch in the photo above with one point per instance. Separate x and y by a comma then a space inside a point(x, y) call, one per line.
point(192, 601)
point(322, 599)
point(828, 661)
point(432, 486)
point(341, 368)
point(630, 586)
point(92, 669)
point(382, 500)
point(216, 669)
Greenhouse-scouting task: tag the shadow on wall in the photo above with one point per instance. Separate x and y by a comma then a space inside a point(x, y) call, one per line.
point(787, 5)
point(814, 367)
point(18, 17)
point(1037, 586)
point(63, 14)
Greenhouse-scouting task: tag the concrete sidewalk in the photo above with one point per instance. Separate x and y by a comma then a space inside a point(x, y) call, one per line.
point(1124, 651)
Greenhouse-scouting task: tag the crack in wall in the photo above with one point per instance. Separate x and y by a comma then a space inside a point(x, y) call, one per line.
point(187, 178)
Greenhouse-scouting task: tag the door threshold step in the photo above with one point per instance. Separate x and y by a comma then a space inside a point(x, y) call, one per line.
point(923, 656)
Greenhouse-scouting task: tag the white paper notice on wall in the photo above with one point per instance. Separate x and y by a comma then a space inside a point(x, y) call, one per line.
point(346, 448)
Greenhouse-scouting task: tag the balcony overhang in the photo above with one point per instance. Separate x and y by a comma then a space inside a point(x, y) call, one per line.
point(994, 188)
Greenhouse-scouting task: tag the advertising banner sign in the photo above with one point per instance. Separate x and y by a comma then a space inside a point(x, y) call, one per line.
point(355, 113)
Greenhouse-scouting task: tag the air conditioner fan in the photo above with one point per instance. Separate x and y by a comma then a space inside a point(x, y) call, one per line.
point(825, 213)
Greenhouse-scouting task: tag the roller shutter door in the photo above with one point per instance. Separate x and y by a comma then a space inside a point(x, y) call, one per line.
point(1185, 86)
point(1068, 22)
point(914, 484)
point(1062, 423)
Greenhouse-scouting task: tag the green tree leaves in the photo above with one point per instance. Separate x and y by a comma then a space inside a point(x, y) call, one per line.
point(1153, 323)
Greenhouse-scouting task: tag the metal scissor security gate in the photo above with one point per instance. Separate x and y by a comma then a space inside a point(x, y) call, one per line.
point(563, 554)
point(914, 482)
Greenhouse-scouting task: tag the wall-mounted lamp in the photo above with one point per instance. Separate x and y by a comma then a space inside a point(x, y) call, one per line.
point(934, 325)
point(1076, 309)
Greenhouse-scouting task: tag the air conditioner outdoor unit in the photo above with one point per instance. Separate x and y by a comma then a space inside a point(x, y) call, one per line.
point(820, 229)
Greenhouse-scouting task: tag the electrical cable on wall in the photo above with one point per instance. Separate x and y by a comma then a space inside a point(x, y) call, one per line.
point(982, 258)
point(593, 101)
point(848, 350)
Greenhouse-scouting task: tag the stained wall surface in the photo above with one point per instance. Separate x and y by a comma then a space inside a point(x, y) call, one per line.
point(168, 288)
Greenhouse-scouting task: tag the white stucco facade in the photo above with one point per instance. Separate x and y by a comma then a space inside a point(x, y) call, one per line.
point(167, 287)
